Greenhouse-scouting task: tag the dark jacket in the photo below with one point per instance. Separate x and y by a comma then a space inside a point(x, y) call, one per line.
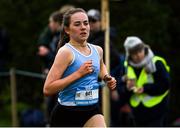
point(98, 39)
point(49, 40)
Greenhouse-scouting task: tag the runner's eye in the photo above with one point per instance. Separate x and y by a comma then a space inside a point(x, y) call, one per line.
point(77, 24)
point(86, 23)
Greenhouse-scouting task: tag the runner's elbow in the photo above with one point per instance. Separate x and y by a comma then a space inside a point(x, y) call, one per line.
point(46, 91)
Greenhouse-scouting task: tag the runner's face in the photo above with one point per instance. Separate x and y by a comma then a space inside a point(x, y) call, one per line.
point(79, 27)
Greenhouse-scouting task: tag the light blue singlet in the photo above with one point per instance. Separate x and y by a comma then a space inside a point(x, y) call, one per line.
point(84, 91)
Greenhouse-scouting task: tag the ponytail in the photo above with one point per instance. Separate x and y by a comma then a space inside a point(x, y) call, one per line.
point(62, 39)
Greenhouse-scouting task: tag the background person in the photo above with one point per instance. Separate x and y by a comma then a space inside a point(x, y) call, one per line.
point(49, 38)
point(97, 37)
point(47, 48)
point(147, 82)
point(48, 51)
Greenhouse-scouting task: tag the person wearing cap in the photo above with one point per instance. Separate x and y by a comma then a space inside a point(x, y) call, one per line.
point(94, 20)
point(147, 82)
point(97, 37)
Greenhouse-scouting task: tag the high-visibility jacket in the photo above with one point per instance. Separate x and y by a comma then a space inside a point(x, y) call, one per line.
point(145, 78)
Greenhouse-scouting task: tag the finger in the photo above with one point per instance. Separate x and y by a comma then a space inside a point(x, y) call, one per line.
point(111, 81)
point(88, 62)
point(88, 66)
point(114, 84)
point(90, 69)
point(113, 87)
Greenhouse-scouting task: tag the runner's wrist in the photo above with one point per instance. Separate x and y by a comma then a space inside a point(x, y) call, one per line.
point(78, 75)
point(106, 77)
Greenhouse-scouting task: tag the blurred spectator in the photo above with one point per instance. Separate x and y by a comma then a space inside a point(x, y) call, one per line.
point(49, 38)
point(47, 48)
point(97, 37)
point(48, 51)
point(147, 83)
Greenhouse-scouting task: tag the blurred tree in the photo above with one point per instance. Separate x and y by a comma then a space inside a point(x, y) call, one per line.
point(157, 22)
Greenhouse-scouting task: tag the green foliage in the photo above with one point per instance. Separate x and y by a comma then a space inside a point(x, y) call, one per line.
point(152, 20)
point(148, 20)
point(24, 20)
point(26, 98)
point(156, 24)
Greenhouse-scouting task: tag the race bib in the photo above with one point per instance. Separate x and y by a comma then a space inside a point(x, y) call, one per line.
point(85, 97)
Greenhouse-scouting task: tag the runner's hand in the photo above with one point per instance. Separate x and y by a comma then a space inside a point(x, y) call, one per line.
point(86, 68)
point(111, 81)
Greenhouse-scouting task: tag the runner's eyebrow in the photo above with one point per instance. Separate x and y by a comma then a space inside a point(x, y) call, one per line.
point(85, 21)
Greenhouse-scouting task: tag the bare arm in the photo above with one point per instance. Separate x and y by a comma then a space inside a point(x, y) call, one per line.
point(54, 81)
point(111, 82)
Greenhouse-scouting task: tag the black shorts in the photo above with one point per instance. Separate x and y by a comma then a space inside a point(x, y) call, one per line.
point(73, 116)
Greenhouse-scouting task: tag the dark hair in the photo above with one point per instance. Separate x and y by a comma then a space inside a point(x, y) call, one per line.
point(65, 23)
point(57, 17)
point(136, 49)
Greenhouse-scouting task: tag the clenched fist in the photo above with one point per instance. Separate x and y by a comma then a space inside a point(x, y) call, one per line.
point(86, 68)
point(111, 81)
